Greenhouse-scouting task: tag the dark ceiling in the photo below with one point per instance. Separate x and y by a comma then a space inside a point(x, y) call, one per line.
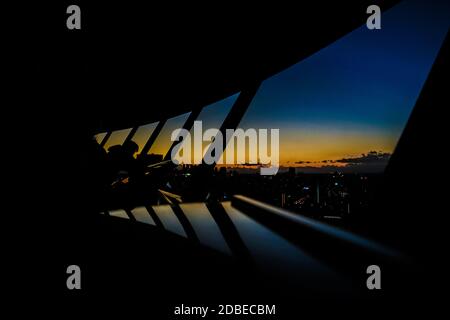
point(135, 64)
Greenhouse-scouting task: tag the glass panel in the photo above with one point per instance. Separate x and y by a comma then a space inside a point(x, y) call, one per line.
point(99, 137)
point(345, 107)
point(143, 133)
point(204, 225)
point(211, 117)
point(214, 114)
point(163, 142)
point(117, 138)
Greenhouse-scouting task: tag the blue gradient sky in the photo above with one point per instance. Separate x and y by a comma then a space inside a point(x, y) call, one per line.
point(356, 94)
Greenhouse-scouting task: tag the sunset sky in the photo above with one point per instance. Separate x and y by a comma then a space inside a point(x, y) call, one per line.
point(355, 95)
point(350, 98)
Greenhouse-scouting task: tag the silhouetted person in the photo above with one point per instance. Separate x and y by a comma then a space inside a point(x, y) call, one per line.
point(121, 160)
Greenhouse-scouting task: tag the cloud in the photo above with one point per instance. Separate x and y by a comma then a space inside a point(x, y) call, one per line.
point(372, 157)
point(373, 161)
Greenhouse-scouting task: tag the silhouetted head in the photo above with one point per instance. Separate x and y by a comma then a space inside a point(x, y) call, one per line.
point(130, 147)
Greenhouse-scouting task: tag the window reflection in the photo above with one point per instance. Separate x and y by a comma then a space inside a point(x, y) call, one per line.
point(169, 219)
point(141, 214)
point(204, 225)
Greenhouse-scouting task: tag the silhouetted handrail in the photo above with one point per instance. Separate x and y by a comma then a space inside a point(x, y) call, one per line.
point(329, 243)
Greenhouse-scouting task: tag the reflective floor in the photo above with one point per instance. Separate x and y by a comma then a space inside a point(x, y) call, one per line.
point(268, 250)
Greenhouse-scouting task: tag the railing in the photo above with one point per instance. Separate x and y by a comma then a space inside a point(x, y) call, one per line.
point(337, 247)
